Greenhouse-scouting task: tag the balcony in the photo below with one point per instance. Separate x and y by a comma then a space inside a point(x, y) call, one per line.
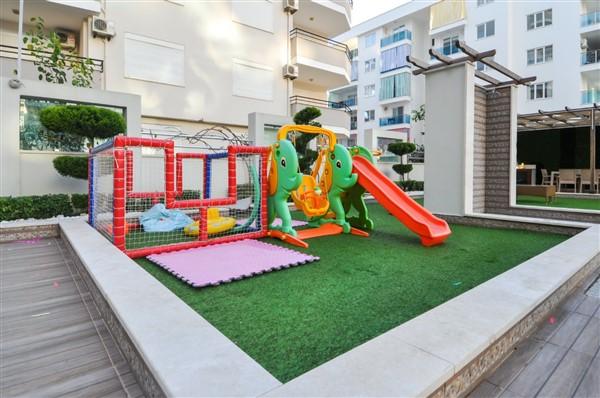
point(591, 18)
point(446, 14)
point(396, 37)
point(8, 63)
point(321, 61)
point(590, 57)
point(447, 50)
point(591, 96)
point(329, 17)
point(390, 121)
point(333, 114)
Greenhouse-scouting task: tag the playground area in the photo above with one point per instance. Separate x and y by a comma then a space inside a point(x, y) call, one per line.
point(291, 321)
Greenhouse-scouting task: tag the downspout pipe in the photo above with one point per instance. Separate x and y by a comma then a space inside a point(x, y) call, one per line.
point(16, 82)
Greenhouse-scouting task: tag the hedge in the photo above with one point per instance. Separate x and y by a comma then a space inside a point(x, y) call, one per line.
point(72, 166)
point(83, 120)
point(43, 206)
point(411, 185)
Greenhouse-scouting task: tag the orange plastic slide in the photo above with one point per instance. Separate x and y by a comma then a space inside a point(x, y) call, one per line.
point(430, 228)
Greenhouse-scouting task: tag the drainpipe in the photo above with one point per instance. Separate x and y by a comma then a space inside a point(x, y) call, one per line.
point(593, 153)
point(16, 82)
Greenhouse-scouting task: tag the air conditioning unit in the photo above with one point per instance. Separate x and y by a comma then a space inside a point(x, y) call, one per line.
point(103, 28)
point(291, 6)
point(67, 39)
point(290, 71)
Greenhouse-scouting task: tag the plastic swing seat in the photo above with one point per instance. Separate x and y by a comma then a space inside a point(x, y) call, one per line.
point(307, 199)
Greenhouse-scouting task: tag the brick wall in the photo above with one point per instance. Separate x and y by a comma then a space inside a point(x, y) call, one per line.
point(497, 143)
point(479, 150)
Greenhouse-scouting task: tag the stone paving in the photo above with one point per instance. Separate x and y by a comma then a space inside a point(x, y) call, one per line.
point(561, 359)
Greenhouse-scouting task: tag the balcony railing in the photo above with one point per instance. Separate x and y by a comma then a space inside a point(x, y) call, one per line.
point(590, 96)
point(590, 57)
point(447, 50)
point(591, 18)
point(299, 33)
point(319, 103)
point(399, 119)
point(28, 55)
point(395, 37)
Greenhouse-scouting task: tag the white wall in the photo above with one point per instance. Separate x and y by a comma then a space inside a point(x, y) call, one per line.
point(449, 140)
point(32, 172)
point(213, 35)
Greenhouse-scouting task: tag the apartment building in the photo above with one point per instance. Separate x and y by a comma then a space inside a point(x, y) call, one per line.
point(195, 64)
point(557, 41)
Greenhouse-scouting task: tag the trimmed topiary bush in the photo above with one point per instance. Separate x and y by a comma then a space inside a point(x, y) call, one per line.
point(83, 120)
point(72, 166)
point(306, 156)
point(401, 149)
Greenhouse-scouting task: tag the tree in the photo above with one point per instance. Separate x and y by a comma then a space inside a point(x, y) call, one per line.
point(306, 156)
point(401, 149)
point(52, 62)
point(418, 115)
point(85, 121)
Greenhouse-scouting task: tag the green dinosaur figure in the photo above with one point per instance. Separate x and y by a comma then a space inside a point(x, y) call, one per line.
point(339, 175)
point(354, 197)
point(284, 177)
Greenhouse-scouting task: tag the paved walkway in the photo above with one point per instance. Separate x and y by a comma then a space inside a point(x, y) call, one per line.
point(561, 359)
point(53, 341)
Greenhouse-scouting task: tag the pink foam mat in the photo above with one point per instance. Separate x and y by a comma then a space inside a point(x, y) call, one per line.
point(227, 262)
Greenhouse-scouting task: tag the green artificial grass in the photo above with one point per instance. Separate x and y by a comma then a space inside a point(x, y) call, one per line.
point(294, 320)
point(560, 202)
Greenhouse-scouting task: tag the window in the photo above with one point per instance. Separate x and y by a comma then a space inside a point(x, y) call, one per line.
point(486, 29)
point(540, 90)
point(34, 137)
point(256, 14)
point(354, 70)
point(449, 46)
point(395, 86)
point(539, 55)
point(370, 65)
point(394, 58)
point(369, 115)
point(154, 60)
point(483, 2)
point(539, 19)
point(252, 80)
point(369, 90)
point(370, 39)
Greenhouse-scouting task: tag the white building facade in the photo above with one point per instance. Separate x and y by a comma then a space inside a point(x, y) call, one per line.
point(193, 64)
point(556, 41)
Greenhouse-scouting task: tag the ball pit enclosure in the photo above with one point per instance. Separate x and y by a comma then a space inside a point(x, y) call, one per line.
point(129, 175)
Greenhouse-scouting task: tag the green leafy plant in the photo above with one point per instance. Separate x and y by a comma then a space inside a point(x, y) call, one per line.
point(401, 149)
point(306, 156)
point(85, 121)
point(418, 115)
point(79, 201)
point(40, 207)
point(411, 185)
point(71, 166)
point(52, 62)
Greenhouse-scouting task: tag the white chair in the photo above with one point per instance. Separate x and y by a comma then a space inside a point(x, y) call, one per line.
point(567, 177)
point(545, 177)
point(586, 180)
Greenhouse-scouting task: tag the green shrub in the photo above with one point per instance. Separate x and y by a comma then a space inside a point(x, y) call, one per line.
point(400, 149)
point(42, 206)
point(79, 201)
point(306, 156)
point(411, 185)
point(72, 166)
point(83, 120)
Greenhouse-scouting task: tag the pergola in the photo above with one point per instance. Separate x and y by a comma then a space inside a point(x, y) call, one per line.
point(567, 118)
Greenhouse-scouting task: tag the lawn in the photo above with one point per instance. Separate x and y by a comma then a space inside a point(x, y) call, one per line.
point(560, 202)
point(294, 320)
